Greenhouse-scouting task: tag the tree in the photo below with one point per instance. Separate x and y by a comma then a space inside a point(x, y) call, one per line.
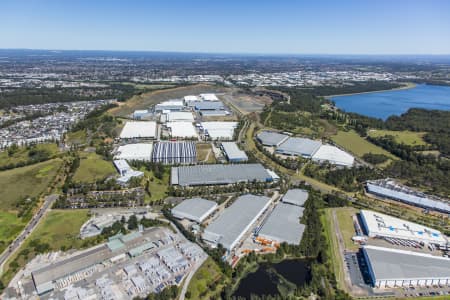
point(132, 222)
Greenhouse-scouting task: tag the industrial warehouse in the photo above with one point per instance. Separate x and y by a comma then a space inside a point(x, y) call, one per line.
point(283, 225)
point(232, 224)
point(182, 129)
point(389, 268)
point(218, 174)
point(139, 130)
point(135, 152)
point(175, 153)
point(387, 188)
point(271, 139)
point(195, 209)
point(333, 155)
point(384, 226)
point(125, 171)
point(219, 130)
point(295, 197)
point(233, 153)
point(299, 147)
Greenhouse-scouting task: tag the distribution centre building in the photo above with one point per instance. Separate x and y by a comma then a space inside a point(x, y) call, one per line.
point(296, 197)
point(175, 152)
point(136, 129)
point(283, 224)
point(333, 155)
point(182, 129)
point(218, 174)
point(299, 147)
point(389, 268)
point(233, 153)
point(135, 152)
point(219, 130)
point(271, 138)
point(387, 188)
point(195, 209)
point(237, 219)
point(380, 225)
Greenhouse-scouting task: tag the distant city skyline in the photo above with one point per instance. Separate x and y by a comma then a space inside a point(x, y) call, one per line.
point(241, 27)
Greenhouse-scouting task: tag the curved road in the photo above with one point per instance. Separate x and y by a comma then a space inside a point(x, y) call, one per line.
point(48, 202)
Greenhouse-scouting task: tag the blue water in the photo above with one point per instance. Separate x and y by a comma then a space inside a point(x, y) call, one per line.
point(384, 104)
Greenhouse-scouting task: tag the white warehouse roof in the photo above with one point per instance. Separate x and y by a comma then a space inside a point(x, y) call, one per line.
point(333, 155)
point(179, 116)
point(138, 130)
point(135, 152)
point(233, 153)
point(299, 146)
point(378, 224)
point(209, 97)
point(182, 129)
point(195, 209)
point(220, 130)
point(191, 98)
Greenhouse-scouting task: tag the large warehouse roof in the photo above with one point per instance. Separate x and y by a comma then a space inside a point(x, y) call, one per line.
point(296, 197)
point(191, 98)
point(270, 138)
point(195, 209)
point(333, 155)
point(209, 105)
point(135, 152)
point(394, 264)
point(175, 152)
point(138, 130)
point(283, 224)
point(299, 146)
point(179, 116)
point(220, 130)
point(390, 189)
point(182, 129)
point(218, 174)
point(231, 225)
point(209, 97)
point(378, 224)
point(233, 152)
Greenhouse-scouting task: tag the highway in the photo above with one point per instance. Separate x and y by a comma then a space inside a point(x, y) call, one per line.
point(15, 245)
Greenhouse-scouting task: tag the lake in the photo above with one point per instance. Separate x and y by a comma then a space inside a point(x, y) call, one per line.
point(386, 103)
point(266, 279)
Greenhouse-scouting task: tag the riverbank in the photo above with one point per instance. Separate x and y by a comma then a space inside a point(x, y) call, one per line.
point(409, 85)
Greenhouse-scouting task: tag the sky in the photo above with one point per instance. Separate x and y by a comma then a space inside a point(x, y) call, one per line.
point(229, 26)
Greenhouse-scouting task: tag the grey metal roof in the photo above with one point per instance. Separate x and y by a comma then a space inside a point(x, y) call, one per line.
point(235, 220)
point(219, 174)
point(390, 264)
point(194, 209)
point(299, 146)
point(175, 152)
point(271, 138)
point(283, 224)
point(209, 105)
point(296, 197)
point(233, 152)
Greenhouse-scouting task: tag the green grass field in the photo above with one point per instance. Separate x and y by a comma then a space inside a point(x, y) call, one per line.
point(357, 145)
point(29, 181)
point(60, 229)
point(158, 187)
point(10, 227)
point(77, 137)
point(402, 137)
point(22, 154)
point(344, 217)
point(92, 168)
point(208, 273)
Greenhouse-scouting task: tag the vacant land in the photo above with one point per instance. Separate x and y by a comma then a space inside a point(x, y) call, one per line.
point(345, 220)
point(357, 145)
point(10, 227)
point(92, 168)
point(24, 154)
point(247, 103)
point(146, 100)
point(158, 187)
point(76, 138)
point(402, 137)
point(29, 181)
point(58, 231)
point(205, 153)
point(206, 277)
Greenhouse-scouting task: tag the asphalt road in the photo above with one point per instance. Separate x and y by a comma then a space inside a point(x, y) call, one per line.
point(48, 202)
